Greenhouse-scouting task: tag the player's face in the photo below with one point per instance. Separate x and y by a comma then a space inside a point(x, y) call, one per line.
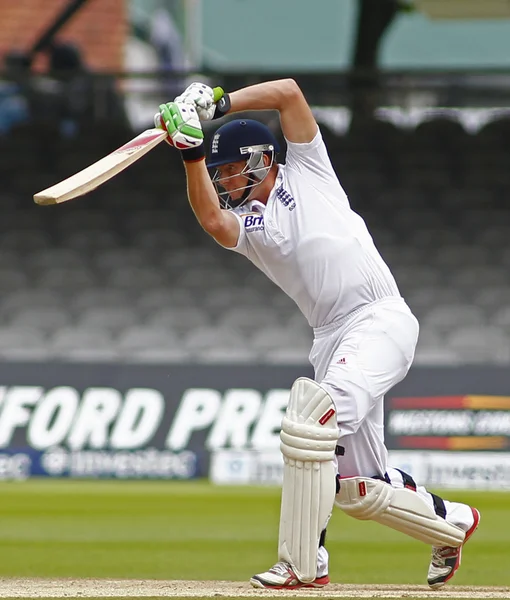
point(230, 177)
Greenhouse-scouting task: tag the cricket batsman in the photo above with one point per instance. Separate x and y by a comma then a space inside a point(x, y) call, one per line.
point(293, 221)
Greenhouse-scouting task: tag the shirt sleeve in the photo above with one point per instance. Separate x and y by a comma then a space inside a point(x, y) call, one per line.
point(312, 159)
point(242, 243)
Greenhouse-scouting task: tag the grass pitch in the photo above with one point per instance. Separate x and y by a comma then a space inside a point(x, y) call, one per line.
point(196, 531)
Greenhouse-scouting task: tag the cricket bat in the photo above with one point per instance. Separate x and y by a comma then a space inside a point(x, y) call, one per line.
point(104, 169)
point(101, 171)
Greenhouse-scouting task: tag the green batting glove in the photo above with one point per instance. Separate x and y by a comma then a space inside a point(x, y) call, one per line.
point(182, 124)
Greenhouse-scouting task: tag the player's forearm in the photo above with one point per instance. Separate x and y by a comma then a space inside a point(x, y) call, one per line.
point(202, 195)
point(270, 95)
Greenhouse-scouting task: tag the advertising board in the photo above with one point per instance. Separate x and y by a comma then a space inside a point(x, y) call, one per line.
point(132, 421)
point(449, 426)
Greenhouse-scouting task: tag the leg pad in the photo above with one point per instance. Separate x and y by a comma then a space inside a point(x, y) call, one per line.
point(308, 437)
point(401, 509)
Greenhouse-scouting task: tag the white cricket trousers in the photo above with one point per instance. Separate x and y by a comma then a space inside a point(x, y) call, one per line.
point(358, 360)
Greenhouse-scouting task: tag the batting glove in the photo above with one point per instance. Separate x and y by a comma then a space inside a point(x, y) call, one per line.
point(210, 103)
point(182, 124)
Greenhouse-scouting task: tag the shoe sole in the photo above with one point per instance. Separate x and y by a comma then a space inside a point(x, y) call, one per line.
point(258, 583)
point(469, 533)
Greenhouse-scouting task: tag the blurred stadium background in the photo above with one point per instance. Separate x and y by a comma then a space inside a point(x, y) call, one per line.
point(125, 274)
point(121, 322)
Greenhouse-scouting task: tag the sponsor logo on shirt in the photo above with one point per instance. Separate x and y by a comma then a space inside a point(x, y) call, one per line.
point(253, 222)
point(285, 198)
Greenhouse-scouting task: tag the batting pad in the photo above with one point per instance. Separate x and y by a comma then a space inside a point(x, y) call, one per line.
point(401, 509)
point(308, 437)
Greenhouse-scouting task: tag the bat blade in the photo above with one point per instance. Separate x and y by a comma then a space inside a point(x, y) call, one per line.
point(101, 171)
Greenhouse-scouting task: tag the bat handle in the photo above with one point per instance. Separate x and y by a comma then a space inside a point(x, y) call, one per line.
point(218, 93)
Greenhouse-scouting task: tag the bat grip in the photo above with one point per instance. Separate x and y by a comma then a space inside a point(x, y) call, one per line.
point(222, 101)
point(218, 93)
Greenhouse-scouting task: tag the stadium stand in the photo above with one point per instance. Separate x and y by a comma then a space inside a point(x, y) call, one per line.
point(127, 274)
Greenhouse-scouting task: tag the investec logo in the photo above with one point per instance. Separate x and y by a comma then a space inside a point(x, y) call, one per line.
point(103, 418)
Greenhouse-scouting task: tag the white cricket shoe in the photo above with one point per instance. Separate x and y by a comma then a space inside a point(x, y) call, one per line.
point(282, 576)
point(446, 560)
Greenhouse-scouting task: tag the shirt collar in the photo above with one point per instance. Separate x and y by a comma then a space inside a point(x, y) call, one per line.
point(277, 184)
point(259, 207)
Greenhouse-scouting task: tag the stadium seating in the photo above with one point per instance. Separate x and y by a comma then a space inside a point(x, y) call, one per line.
point(127, 274)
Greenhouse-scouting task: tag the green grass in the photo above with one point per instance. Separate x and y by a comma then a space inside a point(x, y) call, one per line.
point(193, 530)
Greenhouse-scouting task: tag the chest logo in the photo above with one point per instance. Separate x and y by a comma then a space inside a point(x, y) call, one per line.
point(285, 198)
point(253, 222)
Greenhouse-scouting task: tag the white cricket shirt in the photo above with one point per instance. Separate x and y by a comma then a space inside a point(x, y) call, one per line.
point(309, 241)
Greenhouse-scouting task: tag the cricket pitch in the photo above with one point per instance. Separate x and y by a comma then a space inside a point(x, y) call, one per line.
point(126, 588)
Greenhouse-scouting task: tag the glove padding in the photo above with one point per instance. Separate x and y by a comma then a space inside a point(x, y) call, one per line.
point(181, 121)
point(202, 97)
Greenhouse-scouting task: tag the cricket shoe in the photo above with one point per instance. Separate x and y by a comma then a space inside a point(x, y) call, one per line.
point(282, 576)
point(446, 560)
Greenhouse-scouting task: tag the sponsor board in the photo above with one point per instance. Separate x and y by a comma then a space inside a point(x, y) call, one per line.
point(246, 467)
point(454, 470)
point(15, 466)
point(461, 470)
point(106, 418)
point(449, 422)
point(138, 464)
point(60, 462)
point(141, 420)
point(134, 421)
